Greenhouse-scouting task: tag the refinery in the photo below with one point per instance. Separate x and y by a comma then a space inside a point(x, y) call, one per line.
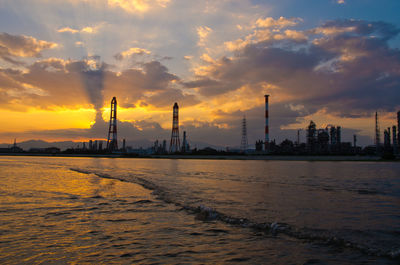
point(319, 141)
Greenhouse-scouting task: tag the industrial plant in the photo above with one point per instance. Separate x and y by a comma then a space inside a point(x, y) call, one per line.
point(318, 141)
point(391, 139)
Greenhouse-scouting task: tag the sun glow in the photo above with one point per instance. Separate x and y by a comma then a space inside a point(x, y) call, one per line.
point(35, 119)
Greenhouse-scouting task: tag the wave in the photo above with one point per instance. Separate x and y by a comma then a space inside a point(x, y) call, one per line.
point(337, 239)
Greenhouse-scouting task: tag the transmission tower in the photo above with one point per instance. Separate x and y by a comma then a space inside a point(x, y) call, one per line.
point(175, 145)
point(244, 144)
point(112, 143)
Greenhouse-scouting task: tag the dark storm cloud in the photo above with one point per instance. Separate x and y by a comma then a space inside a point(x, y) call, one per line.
point(347, 68)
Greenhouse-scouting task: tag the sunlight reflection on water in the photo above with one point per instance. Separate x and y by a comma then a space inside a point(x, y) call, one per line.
point(50, 213)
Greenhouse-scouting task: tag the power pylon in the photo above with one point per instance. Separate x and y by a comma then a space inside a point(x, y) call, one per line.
point(112, 142)
point(175, 145)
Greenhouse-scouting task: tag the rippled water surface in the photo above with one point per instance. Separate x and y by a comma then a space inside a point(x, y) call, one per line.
point(156, 211)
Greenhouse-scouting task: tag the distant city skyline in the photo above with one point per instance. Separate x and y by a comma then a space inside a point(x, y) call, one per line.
point(333, 62)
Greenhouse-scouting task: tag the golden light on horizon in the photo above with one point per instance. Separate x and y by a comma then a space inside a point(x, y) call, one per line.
point(38, 119)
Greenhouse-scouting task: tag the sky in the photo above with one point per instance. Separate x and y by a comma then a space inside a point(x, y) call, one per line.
point(335, 62)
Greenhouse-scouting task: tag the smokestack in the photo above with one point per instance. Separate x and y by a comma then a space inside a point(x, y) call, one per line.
point(266, 141)
point(394, 133)
point(398, 129)
point(339, 135)
point(377, 133)
point(298, 137)
point(184, 143)
point(354, 141)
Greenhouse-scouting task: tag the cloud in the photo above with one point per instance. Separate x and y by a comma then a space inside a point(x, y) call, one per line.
point(281, 22)
point(54, 83)
point(14, 46)
point(269, 30)
point(68, 29)
point(130, 52)
point(138, 6)
point(202, 33)
point(360, 73)
point(360, 28)
point(167, 97)
point(86, 30)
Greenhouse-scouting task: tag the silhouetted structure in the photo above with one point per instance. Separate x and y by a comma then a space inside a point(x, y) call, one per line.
point(377, 134)
point(386, 139)
point(174, 145)
point(185, 143)
point(15, 148)
point(266, 141)
point(333, 135)
point(112, 142)
point(339, 136)
point(398, 129)
point(394, 133)
point(244, 143)
point(259, 145)
point(323, 140)
point(286, 147)
point(311, 132)
point(355, 141)
point(298, 137)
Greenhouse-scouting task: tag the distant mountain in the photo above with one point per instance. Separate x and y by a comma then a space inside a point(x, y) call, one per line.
point(26, 145)
point(63, 145)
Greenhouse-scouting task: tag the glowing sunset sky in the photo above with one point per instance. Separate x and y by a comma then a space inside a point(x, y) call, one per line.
point(332, 61)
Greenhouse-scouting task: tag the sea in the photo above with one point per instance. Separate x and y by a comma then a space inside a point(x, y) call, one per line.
point(82, 210)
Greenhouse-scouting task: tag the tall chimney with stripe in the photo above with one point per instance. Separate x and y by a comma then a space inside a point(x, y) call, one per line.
point(266, 141)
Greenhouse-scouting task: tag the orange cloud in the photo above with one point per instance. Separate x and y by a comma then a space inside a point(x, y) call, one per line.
point(202, 33)
point(87, 30)
point(281, 22)
point(268, 30)
point(130, 52)
point(22, 46)
point(137, 6)
point(265, 35)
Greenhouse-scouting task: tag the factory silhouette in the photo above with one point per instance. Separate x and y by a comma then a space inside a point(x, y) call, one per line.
point(322, 141)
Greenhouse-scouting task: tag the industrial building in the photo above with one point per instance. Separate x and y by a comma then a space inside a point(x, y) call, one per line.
point(391, 141)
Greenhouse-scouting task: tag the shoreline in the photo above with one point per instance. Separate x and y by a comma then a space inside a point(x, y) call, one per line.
point(220, 157)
